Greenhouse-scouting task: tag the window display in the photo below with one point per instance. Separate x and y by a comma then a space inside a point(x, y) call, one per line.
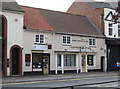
point(90, 60)
point(27, 59)
point(69, 60)
point(37, 61)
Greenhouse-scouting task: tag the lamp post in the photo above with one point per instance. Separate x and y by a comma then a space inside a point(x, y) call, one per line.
point(108, 59)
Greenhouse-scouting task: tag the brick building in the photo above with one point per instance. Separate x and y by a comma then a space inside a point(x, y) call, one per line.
point(100, 14)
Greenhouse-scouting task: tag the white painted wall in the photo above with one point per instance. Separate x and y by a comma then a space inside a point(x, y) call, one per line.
point(115, 26)
point(28, 43)
point(58, 46)
point(14, 31)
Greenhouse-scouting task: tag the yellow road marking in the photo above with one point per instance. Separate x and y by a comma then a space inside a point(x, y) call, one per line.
point(55, 80)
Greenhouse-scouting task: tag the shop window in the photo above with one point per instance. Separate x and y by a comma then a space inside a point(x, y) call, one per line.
point(92, 42)
point(58, 60)
point(39, 39)
point(49, 46)
point(27, 59)
point(90, 60)
point(110, 29)
point(69, 60)
point(37, 61)
point(66, 40)
point(119, 30)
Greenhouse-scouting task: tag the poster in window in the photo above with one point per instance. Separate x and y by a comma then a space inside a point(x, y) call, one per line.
point(27, 58)
point(90, 60)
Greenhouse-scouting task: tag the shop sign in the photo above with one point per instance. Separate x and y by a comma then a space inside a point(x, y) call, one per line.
point(40, 47)
point(83, 49)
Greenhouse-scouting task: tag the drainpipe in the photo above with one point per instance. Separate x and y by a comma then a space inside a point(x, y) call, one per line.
point(108, 59)
point(53, 61)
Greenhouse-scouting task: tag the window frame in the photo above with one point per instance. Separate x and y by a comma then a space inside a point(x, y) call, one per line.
point(94, 59)
point(92, 42)
point(70, 60)
point(66, 43)
point(39, 39)
point(110, 27)
point(60, 59)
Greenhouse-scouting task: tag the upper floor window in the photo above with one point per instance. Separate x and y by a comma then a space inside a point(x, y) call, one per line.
point(67, 40)
point(92, 42)
point(39, 39)
point(119, 30)
point(110, 29)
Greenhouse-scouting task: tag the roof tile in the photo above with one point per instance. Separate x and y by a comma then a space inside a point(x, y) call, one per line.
point(34, 20)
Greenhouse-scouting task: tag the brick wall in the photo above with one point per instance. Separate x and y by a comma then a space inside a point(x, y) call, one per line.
point(81, 8)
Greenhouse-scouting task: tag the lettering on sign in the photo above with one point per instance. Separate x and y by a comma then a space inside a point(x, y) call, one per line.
point(83, 48)
point(79, 40)
point(40, 47)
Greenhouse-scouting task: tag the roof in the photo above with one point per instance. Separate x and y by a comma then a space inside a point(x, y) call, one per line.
point(34, 20)
point(69, 23)
point(95, 5)
point(92, 10)
point(11, 6)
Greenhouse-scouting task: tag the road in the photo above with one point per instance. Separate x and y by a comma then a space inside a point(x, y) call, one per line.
point(106, 81)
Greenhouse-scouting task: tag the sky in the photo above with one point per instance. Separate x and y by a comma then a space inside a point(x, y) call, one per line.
point(57, 5)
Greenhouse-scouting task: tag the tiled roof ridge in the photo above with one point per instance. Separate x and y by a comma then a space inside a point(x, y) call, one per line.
point(91, 1)
point(53, 11)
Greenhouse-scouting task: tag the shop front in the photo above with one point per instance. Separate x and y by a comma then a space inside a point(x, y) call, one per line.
point(41, 63)
point(77, 62)
point(113, 53)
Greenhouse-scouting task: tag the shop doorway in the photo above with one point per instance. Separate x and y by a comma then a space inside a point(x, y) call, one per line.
point(102, 63)
point(46, 64)
point(41, 63)
point(83, 63)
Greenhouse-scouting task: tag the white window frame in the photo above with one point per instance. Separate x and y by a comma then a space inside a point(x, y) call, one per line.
point(92, 41)
point(66, 40)
point(57, 61)
point(74, 62)
point(39, 39)
point(111, 28)
point(94, 60)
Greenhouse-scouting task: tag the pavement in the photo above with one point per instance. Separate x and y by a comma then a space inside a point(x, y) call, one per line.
point(57, 77)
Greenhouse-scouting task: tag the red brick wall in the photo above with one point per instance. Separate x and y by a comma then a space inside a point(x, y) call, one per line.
point(81, 8)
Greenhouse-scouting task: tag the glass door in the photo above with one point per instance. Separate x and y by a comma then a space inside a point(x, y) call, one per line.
point(83, 63)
